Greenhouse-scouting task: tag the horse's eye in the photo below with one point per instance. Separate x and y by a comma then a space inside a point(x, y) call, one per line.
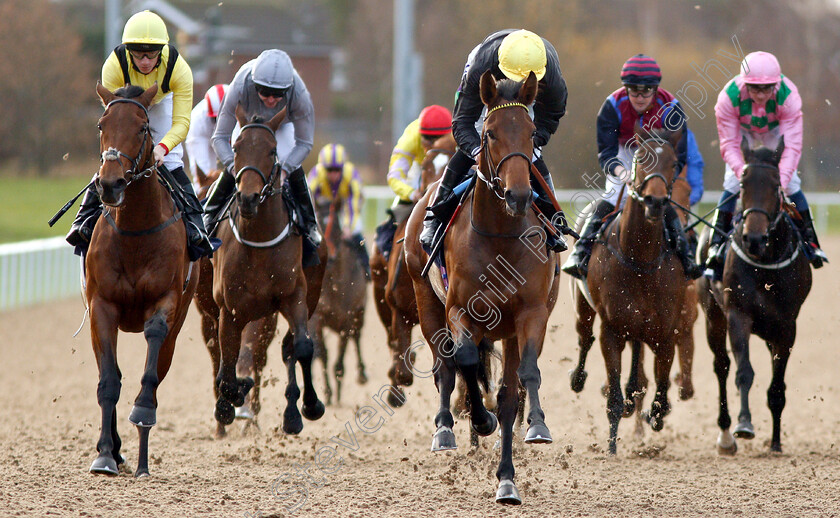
point(99, 127)
point(491, 135)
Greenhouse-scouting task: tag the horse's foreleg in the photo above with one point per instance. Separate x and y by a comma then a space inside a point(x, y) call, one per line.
point(716, 336)
point(297, 315)
point(530, 336)
point(508, 404)
point(316, 329)
point(660, 407)
point(584, 322)
point(356, 335)
point(611, 347)
point(230, 393)
point(292, 422)
point(467, 360)
point(259, 335)
point(740, 327)
point(776, 391)
point(104, 338)
point(632, 388)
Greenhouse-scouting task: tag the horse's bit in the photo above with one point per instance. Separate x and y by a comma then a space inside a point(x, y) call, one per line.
point(268, 182)
point(494, 181)
point(114, 154)
point(669, 185)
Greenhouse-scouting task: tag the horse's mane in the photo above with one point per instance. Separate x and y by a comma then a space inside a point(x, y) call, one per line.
point(763, 155)
point(508, 89)
point(129, 91)
point(256, 119)
point(662, 134)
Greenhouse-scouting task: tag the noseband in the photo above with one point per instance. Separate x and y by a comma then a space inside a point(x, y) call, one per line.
point(634, 191)
point(115, 155)
point(268, 182)
point(493, 180)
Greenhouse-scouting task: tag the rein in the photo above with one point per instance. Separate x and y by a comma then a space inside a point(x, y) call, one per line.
point(268, 182)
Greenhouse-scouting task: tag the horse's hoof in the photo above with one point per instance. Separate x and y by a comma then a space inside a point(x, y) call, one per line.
point(744, 430)
point(141, 473)
point(292, 423)
point(727, 451)
point(629, 408)
point(314, 412)
point(244, 412)
point(142, 416)
point(394, 400)
point(507, 493)
point(605, 390)
point(443, 439)
point(538, 434)
point(578, 378)
point(657, 423)
point(487, 428)
point(105, 465)
point(776, 448)
point(225, 412)
point(726, 444)
point(362, 378)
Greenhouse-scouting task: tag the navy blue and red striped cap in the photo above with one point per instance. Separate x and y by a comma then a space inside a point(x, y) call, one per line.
point(641, 70)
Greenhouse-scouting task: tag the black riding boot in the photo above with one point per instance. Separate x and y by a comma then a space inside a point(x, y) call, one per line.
point(217, 199)
point(454, 173)
point(199, 241)
point(577, 265)
point(306, 210)
point(723, 223)
point(679, 242)
point(555, 243)
point(809, 233)
point(82, 228)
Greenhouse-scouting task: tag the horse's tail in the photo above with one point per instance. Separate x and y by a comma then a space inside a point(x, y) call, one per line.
point(486, 352)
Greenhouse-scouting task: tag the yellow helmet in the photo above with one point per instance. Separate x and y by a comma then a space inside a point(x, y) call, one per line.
point(145, 28)
point(522, 52)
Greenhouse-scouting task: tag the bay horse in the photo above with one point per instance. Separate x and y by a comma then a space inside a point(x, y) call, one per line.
point(487, 238)
point(138, 275)
point(636, 286)
point(341, 307)
point(393, 291)
point(256, 337)
point(766, 279)
point(257, 272)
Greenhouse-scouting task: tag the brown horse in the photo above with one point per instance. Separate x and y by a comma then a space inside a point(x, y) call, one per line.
point(257, 272)
point(256, 336)
point(766, 279)
point(489, 238)
point(341, 307)
point(393, 291)
point(633, 283)
point(139, 276)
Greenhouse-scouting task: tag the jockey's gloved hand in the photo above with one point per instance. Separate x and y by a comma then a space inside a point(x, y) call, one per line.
point(159, 152)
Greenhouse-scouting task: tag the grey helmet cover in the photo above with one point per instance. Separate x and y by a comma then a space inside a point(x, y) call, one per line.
point(273, 69)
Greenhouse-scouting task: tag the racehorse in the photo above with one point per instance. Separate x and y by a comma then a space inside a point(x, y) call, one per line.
point(393, 291)
point(138, 275)
point(766, 278)
point(633, 282)
point(343, 299)
point(257, 272)
point(488, 238)
point(256, 336)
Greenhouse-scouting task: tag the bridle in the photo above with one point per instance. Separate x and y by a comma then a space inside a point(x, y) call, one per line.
point(493, 180)
point(633, 190)
point(772, 220)
point(115, 155)
point(268, 182)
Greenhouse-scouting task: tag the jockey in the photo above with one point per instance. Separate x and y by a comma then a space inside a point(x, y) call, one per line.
point(202, 124)
point(144, 58)
point(264, 86)
point(335, 177)
point(639, 100)
point(508, 54)
point(434, 122)
point(762, 105)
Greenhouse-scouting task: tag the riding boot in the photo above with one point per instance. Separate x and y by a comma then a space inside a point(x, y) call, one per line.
point(577, 265)
point(723, 223)
point(361, 250)
point(200, 244)
point(454, 173)
point(812, 245)
point(306, 210)
point(82, 228)
point(217, 199)
point(557, 219)
point(679, 242)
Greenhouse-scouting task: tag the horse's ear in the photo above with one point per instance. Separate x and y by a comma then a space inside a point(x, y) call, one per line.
point(104, 94)
point(240, 115)
point(147, 96)
point(487, 87)
point(745, 149)
point(780, 148)
point(675, 137)
point(528, 90)
point(637, 133)
point(275, 121)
